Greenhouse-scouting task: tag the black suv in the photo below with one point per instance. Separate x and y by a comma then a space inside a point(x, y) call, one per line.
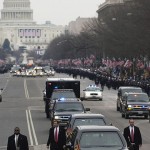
point(64, 108)
point(57, 94)
point(135, 104)
point(125, 89)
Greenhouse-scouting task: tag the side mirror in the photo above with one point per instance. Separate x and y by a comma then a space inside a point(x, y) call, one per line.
point(84, 90)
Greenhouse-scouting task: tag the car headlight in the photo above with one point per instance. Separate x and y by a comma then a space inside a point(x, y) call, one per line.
point(56, 117)
point(129, 107)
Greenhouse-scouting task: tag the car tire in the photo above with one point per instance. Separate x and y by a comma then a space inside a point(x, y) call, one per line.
point(146, 116)
point(0, 98)
point(118, 108)
point(122, 115)
point(126, 116)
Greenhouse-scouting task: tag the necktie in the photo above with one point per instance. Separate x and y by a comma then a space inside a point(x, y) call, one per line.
point(132, 135)
point(56, 135)
point(16, 141)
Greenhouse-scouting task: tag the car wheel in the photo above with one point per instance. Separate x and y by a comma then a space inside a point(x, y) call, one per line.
point(100, 99)
point(0, 98)
point(146, 116)
point(118, 109)
point(126, 116)
point(122, 115)
point(47, 115)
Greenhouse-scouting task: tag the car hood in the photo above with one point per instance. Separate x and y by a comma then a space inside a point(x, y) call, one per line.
point(67, 113)
point(139, 103)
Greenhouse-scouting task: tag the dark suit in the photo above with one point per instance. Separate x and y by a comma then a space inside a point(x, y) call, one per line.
point(137, 137)
point(22, 142)
point(61, 139)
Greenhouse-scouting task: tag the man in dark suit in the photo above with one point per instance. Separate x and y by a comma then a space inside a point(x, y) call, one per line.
point(57, 137)
point(133, 136)
point(17, 141)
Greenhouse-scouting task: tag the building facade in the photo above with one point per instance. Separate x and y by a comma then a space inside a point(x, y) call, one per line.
point(17, 25)
point(75, 27)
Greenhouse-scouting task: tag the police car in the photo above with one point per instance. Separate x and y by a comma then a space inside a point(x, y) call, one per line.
point(92, 92)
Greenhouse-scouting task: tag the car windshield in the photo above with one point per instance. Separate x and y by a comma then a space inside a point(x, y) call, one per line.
point(100, 139)
point(131, 90)
point(69, 107)
point(138, 98)
point(63, 94)
point(93, 89)
point(89, 121)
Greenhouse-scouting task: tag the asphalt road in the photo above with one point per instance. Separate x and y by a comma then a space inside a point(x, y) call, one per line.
point(23, 106)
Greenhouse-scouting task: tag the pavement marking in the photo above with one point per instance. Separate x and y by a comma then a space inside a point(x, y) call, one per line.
point(5, 86)
point(26, 89)
point(29, 128)
point(32, 127)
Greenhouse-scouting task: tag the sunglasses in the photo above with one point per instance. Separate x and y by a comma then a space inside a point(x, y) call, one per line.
point(16, 130)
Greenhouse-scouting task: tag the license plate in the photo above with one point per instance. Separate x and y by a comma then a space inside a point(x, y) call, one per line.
point(140, 112)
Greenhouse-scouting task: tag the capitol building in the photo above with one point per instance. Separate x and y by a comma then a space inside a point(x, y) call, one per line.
point(17, 25)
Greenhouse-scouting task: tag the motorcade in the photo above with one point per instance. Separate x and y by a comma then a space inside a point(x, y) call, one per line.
point(15, 69)
point(85, 119)
point(30, 72)
point(53, 84)
point(135, 104)
point(39, 71)
point(125, 89)
point(92, 92)
point(64, 108)
point(92, 137)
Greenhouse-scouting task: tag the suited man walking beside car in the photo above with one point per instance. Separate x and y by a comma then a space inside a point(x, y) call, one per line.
point(133, 136)
point(57, 137)
point(17, 141)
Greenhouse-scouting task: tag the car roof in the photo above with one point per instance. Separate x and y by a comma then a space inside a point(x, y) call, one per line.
point(62, 90)
point(133, 93)
point(129, 87)
point(97, 128)
point(89, 115)
point(60, 79)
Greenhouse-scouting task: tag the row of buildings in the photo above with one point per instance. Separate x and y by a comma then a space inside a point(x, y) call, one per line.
point(18, 26)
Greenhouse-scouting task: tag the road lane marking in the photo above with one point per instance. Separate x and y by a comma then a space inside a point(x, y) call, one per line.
point(32, 127)
point(29, 128)
point(5, 86)
point(26, 89)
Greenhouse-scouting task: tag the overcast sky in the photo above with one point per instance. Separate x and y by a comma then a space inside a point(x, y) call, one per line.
point(61, 12)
